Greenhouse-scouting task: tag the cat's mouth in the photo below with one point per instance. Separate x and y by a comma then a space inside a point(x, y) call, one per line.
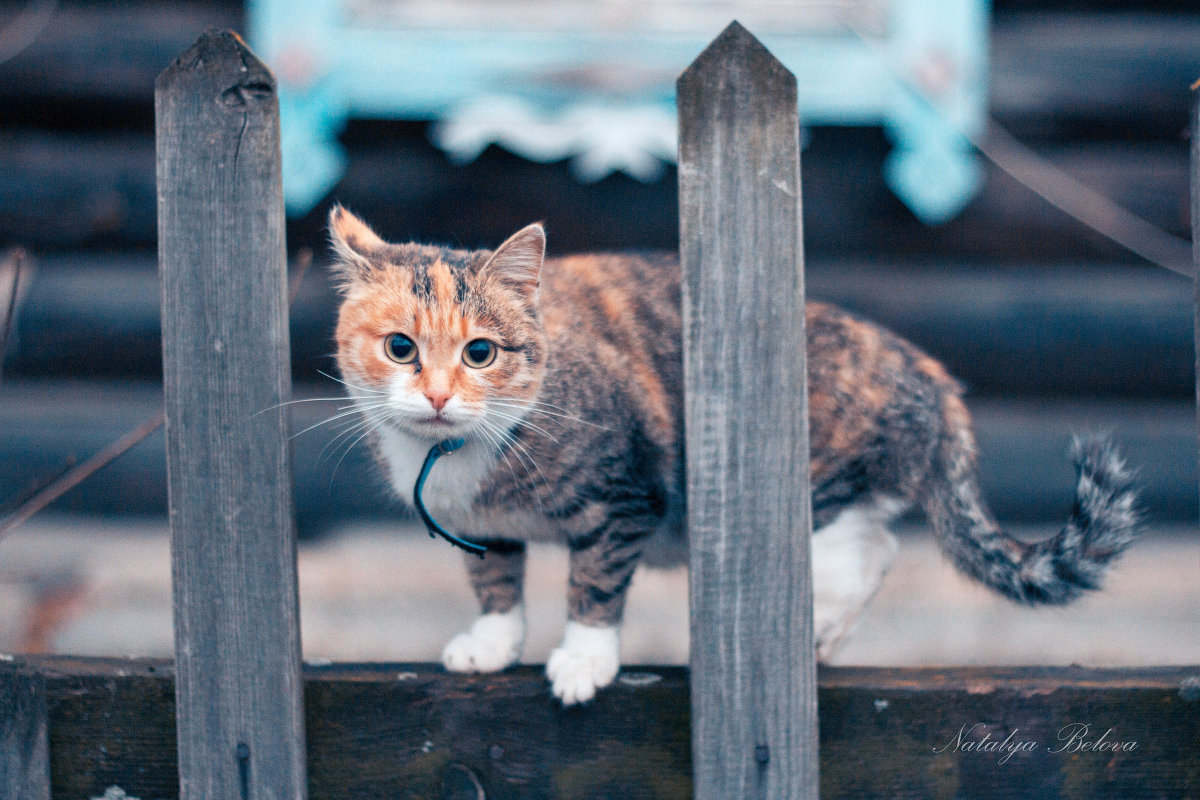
point(431, 424)
point(439, 425)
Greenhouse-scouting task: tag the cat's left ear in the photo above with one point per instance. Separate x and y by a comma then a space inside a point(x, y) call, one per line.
point(517, 264)
point(353, 241)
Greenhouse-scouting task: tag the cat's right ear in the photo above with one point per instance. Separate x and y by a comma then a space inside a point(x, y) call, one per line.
point(353, 242)
point(517, 264)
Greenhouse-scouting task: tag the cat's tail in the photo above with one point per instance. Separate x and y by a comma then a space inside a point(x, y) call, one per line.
point(1104, 521)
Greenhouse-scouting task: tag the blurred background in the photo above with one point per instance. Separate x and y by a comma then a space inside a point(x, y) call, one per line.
point(1053, 327)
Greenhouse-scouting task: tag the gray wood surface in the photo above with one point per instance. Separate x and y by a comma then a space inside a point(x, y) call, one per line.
point(225, 375)
point(754, 723)
point(24, 742)
point(414, 731)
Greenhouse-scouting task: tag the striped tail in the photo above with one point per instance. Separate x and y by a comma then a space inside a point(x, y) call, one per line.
point(1104, 521)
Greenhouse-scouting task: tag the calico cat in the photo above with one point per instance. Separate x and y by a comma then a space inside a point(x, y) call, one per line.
point(565, 381)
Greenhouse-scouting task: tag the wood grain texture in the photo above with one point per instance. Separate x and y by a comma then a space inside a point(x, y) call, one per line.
point(408, 730)
point(754, 725)
point(225, 376)
point(24, 742)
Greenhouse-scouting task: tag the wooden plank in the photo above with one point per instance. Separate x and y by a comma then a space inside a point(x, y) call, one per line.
point(1115, 72)
point(1024, 471)
point(1195, 193)
point(754, 722)
point(24, 741)
point(72, 58)
point(97, 189)
point(1057, 329)
point(399, 730)
point(225, 376)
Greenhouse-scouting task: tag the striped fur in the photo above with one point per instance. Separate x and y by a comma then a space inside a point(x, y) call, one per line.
point(574, 433)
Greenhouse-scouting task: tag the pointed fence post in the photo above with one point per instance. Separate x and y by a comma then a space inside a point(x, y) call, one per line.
point(753, 678)
point(226, 376)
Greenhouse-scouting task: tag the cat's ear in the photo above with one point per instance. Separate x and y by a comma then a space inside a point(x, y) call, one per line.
point(517, 264)
point(353, 241)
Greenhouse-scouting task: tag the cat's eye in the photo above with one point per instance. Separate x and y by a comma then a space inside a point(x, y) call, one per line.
point(479, 353)
point(400, 348)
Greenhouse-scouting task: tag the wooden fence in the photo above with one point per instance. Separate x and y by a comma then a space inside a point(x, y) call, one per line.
point(236, 717)
point(226, 377)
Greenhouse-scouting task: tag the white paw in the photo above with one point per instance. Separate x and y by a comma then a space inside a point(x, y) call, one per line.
point(588, 659)
point(493, 643)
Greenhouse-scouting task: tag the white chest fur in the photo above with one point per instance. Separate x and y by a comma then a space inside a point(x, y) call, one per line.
point(452, 487)
point(452, 483)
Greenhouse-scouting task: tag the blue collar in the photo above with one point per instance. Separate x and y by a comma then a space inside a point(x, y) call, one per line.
point(437, 451)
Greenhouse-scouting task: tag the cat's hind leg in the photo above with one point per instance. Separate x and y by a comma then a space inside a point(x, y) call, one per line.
point(494, 640)
point(850, 556)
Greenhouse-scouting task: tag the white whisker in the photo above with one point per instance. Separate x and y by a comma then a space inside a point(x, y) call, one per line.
point(507, 445)
point(366, 389)
point(533, 410)
point(520, 422)
point(343, 413)
point(348, 430)
point(506, 437)
point(362, 436)
point(336, 399)
point(519, 450)
point(496, 443)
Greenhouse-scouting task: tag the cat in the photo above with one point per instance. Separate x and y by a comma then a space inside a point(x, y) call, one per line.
point(564, 378)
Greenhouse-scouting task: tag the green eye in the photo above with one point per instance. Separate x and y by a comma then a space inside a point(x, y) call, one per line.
point(400, 348)
point(479, 353)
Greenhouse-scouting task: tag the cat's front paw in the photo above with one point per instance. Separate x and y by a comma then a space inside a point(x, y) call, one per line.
point(493, 643)
point(588, 659)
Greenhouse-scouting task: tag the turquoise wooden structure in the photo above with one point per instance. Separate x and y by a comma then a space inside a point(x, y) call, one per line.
point(593, 80)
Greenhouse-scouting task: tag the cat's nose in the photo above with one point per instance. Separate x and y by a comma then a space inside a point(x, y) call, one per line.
point(438, 399)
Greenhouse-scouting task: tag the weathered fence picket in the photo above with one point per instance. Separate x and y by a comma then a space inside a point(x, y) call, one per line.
point(226, 377)
point(753, 679)
point(24, 739)
point(886, 732)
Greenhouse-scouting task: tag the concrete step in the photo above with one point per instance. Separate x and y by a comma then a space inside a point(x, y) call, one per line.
point(90, 587)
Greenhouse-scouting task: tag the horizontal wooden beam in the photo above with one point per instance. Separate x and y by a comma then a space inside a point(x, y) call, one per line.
point(403, 730)
point(97, 188)
point(1025, 473)
point(1056, 329)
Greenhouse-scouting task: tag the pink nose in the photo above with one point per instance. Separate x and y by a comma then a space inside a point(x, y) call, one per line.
point(438, 399)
